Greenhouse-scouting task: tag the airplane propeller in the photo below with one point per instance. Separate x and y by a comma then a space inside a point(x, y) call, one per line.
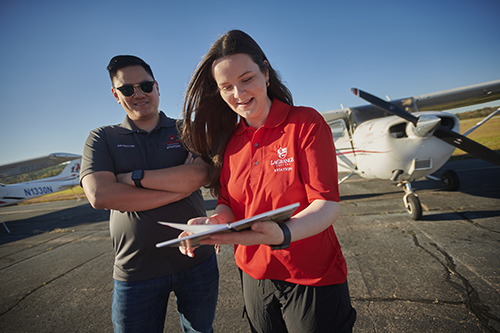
point(453, 138)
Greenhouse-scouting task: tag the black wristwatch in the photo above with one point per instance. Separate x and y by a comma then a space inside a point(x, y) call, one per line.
point(287, 239)
point(137, 175)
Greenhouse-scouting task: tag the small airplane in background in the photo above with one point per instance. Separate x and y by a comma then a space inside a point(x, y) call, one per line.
point(15, 193)
point(403, 140)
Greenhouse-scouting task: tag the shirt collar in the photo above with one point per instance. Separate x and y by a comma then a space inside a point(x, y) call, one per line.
point(277, 114)
point(127, 126)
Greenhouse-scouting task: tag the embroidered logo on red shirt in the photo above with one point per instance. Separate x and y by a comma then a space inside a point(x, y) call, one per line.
point(282, 163)
point(282, 152)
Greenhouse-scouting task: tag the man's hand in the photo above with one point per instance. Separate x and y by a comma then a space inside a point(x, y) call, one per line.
point(189, 158)
point(126, 178)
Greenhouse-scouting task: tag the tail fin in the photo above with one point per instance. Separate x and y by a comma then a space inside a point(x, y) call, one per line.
point(72, 169)
point(70, 173)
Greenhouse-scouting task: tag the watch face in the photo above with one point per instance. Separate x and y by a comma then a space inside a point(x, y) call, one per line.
point(137, 174)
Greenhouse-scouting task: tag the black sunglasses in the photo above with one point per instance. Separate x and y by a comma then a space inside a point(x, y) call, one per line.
point(129, 89)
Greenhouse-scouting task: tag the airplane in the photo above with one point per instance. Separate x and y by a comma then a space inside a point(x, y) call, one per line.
point(15, 193)
point(410, 138)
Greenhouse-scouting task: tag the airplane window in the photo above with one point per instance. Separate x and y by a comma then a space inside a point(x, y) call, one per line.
point(368, 112)
point(338, 128)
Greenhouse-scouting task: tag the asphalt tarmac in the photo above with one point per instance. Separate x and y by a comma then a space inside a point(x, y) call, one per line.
point(438, 274)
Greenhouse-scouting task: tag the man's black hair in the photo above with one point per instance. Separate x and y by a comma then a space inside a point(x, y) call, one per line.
point(122, 61)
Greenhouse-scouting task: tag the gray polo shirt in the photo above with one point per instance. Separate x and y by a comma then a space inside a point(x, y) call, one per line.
point(124, 148)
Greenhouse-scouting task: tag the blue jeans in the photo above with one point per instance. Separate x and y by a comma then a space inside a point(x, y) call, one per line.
point(141, 306)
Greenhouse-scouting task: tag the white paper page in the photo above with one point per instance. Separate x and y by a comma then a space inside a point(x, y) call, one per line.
point(195, 228)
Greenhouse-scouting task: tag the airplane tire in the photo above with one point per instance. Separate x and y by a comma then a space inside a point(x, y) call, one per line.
point(450, 180)
point(414, 207)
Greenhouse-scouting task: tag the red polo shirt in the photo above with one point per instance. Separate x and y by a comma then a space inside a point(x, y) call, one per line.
point(289, 159)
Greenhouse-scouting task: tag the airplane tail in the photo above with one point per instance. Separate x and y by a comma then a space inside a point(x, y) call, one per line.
point(70, 173)
point(72, 169)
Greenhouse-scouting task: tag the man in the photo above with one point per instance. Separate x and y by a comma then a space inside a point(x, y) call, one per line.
point(115, 159)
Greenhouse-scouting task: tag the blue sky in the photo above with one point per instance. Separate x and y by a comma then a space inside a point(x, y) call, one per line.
point(54, 88)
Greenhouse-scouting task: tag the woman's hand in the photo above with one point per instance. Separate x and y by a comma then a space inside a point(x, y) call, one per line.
point(318, 216)
point(267, 232)
point(188, 250)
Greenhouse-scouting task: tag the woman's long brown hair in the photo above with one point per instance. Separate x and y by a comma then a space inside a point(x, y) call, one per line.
point(209, 122)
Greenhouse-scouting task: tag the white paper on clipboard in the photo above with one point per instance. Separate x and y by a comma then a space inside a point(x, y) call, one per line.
point(204, 231)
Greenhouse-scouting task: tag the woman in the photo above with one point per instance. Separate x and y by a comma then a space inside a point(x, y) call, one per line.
point(265, 154)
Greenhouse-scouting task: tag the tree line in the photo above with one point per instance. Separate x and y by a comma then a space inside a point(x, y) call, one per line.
point(480, 113)
point(26, 177)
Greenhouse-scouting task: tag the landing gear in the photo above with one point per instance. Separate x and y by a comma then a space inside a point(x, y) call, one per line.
point(412, 202)
point(414, 207)
point(450, 180)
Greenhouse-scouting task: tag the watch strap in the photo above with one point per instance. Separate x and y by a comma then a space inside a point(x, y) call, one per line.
point(287, 237)
point(137, 175)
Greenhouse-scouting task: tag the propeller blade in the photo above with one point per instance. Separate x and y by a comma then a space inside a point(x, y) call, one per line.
point(386, 106)
point(468, 145)
point(453, 138)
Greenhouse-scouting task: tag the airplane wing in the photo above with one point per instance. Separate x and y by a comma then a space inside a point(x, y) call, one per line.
point(333, 115)
point(438, 101)
point(34, 164)
point(453, 98)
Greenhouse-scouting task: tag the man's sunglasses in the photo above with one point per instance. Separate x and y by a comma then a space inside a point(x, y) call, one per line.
point(129, 89)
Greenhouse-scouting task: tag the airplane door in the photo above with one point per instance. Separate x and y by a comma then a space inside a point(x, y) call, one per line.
point(346, 159)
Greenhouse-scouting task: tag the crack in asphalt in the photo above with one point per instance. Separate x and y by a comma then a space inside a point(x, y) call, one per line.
point(39, 245)
point(471, 296)
point(475, 224)
point(472, 301)
point(20, 299)
point(53, 247)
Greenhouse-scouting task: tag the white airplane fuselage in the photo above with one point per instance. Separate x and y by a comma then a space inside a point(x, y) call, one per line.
point(68, 178)
point(381, 146)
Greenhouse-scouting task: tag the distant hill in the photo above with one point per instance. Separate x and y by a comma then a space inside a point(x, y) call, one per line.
point(44, 173)
point(480, 113)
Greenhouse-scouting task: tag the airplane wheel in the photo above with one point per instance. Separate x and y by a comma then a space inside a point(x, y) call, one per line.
point(450, 180)
point(414, 207)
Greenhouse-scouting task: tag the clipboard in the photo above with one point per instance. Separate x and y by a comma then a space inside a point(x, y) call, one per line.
point(203, 231)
